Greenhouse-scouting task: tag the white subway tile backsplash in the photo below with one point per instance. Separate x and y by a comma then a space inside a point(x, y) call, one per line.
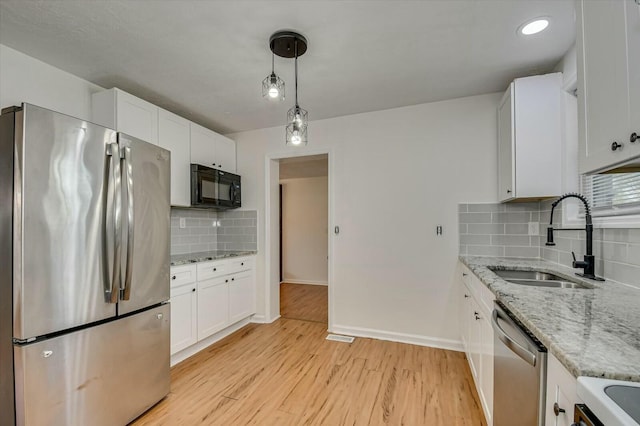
point(617, 250)
point(475, 217)
point(208, 230)
point(480, 208)
point(495, 251)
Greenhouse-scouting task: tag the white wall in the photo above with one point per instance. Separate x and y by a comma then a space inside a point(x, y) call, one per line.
point(26, 79)
point(394, 176)
point(304, 230)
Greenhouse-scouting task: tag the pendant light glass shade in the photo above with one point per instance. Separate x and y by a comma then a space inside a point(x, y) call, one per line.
point(289, 44)
point(297, 119)
point(273, 86)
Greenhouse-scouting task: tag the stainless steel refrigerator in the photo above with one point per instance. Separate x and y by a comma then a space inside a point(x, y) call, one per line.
point(84, 271)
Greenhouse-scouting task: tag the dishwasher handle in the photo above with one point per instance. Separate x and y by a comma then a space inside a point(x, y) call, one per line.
point(514, 346)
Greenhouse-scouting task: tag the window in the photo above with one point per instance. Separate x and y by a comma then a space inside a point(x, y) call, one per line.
point(613, 195)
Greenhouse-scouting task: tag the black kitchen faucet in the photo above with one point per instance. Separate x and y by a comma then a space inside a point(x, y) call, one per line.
point(588, 264)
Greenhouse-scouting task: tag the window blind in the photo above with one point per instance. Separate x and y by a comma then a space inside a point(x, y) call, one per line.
point(613, 194)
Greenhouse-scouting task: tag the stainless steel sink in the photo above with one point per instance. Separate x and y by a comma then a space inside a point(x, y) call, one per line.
point(538, 279)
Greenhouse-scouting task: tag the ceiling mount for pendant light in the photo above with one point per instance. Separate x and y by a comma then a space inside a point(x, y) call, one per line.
point(272, 85)
point(290, 44)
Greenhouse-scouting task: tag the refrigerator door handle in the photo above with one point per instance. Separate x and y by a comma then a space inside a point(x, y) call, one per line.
point(113, 216)
point(128, 172)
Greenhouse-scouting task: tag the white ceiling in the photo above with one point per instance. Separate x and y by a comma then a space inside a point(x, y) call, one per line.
point(205, 60)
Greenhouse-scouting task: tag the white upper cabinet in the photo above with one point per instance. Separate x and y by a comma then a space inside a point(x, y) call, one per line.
point(530, 137)
point(173, 134)
point(609, 82)
point(125, 113)
point(211, 149)
point(203, 142)
point(187, 141)
point(225, 153)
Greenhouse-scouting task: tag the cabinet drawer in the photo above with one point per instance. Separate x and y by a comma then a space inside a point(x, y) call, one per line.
point(239, 264)
point(183, 274)
point(207, 270)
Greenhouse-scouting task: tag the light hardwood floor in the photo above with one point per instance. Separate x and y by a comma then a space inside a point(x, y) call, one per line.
point(304, 302)
point(286, 373)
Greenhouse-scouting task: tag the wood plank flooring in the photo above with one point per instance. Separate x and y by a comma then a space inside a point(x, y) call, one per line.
point(286, 373)
point(304, 302)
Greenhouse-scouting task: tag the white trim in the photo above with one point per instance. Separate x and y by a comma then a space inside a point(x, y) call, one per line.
point(392, 336)
point(309, 282)
point(202, 344)
point(261, 319)
point(267, 231)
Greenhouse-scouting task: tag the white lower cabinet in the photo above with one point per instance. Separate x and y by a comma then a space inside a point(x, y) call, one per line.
point(477, 336)
point(240, 296)
point(183, 317)
point(213, 306)
point(208, 297)
point(561, 390)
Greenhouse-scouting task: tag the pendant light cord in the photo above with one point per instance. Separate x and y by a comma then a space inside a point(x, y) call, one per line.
point(296, 67)
point(273, 68)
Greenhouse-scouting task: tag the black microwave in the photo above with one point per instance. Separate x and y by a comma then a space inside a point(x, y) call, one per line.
point(213, 188)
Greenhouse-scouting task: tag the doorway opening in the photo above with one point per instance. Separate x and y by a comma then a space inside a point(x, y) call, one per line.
point(304, 237)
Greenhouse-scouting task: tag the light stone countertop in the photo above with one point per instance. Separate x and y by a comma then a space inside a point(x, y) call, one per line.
point(593, 332)
point(205, 256)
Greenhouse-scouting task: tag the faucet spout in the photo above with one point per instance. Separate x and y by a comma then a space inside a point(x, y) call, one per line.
point(588, 264)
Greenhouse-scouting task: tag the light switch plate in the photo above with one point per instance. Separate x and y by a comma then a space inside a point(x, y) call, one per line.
point(534, 228)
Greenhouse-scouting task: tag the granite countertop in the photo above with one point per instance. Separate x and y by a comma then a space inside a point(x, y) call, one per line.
point(593, 332)
point(205, 256)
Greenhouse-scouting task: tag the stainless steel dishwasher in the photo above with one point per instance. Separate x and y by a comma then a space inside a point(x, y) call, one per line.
point(519, 372)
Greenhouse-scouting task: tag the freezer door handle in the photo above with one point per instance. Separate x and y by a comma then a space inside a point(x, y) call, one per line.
point(514, 346)
point(113, 223)
point(128, 176)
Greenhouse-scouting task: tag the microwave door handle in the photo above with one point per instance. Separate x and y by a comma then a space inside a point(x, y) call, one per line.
point(128, 171)
point(232, 193)
point(113, 223)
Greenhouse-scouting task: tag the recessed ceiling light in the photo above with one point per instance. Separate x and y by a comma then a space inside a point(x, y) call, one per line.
point(534, 27)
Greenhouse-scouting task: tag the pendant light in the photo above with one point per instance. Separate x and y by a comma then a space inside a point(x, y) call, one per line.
point(272, 85)
point(289, 44)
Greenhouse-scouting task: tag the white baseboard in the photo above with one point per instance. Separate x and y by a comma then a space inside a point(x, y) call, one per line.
point(310, 282)
point(202, 344)
point(413, 339)
point(261, 319)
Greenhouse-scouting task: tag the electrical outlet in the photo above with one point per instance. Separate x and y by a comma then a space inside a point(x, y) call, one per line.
point(534, 228)
point(183, 222)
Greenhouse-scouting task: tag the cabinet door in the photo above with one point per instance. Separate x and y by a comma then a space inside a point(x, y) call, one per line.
point(486, 366)
point(203, 143)
point(561, 389)
point(464, 315)
point(174, 135)
point(602, 68)
point(136, 117)
point(225, 154)
point(633, 67)
point(183, 317)
point(506, 139)
point(213, 306)
point(475, 340)
point(241, 296)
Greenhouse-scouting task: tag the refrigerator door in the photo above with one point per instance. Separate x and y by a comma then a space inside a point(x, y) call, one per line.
point(108, 374)
point(62, 272)
point(146, 237)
